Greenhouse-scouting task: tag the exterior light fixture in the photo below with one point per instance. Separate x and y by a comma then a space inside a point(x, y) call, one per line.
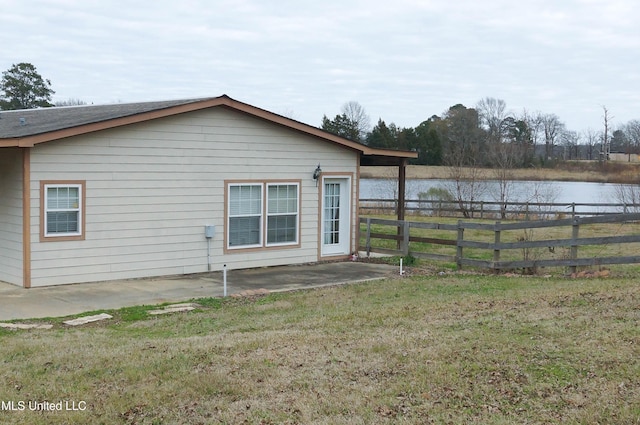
point(316, 174)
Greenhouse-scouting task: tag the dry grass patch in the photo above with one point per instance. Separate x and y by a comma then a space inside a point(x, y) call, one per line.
point(426, 349)
point(587, 171)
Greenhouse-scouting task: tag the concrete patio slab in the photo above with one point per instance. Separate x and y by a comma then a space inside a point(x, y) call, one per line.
point(66, 300)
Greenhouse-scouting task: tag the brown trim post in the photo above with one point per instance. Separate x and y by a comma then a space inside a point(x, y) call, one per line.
point(402, 177)
point(26, 217)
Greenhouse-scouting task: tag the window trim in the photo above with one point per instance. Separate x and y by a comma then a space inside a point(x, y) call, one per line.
point(53, 237)
point(267, 215)
point(260, 215)
point(264, 245)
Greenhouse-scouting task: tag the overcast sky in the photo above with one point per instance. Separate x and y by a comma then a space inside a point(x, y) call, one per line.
point(402, 60)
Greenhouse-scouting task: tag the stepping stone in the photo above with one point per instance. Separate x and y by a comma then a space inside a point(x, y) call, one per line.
point(174, 308)
point(87, 319)
point(25, 326)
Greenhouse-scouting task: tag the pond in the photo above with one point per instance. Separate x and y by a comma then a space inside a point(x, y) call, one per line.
point(519, 191)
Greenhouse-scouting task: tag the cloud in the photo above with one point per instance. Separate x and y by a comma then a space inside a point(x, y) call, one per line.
point(403, 61)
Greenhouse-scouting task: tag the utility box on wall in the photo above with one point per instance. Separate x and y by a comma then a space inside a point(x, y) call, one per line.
point(209, 231)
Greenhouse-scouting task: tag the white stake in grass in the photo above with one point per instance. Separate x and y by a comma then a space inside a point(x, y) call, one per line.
point(224, 280)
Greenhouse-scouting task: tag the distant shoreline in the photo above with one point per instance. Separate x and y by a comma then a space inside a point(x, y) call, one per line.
point(576, 172)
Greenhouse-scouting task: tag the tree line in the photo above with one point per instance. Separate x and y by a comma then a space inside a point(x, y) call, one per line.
point(488, 135)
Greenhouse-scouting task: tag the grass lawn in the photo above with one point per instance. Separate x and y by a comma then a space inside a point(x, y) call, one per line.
point(451, 348)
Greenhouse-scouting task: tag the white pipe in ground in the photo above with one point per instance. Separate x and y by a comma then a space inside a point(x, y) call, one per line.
point(224, 280)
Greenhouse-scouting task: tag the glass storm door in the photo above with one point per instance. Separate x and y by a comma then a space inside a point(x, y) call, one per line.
point(336, 227)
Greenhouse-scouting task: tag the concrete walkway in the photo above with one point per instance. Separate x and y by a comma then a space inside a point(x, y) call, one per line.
point(65, 300)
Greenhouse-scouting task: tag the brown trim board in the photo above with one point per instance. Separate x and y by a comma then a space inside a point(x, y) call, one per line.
point(26, 218)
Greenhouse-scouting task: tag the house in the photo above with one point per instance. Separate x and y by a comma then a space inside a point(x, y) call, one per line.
point(624, 157)
point(98, 193)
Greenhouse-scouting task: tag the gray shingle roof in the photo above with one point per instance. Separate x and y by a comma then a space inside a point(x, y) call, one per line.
point(29, 122)
point(28, 127)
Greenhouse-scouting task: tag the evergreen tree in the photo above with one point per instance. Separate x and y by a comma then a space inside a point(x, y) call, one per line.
point(23, 88)
point(341, 126)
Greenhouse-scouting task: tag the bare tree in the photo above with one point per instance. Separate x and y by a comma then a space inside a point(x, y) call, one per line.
point(541, 193)
point(570, 141)
point(357, 115)
point(632, 133)
point(71, 102)
point(465, 182)
point(590, 138)
point(534, 123)
point(505, 158)
point(606, 146)
point(492, 113)
point(629, 195)
point(553, 128)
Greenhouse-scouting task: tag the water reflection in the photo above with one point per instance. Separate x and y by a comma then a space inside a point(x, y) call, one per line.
point(518, 191)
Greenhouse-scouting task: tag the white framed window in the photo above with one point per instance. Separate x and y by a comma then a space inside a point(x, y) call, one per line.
point(245, 216)
point(63, 210)
point(262, 214)
point(282, 213)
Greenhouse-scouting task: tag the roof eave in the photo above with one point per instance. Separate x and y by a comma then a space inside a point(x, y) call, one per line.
point(9, 143)
point(30, 141)
point(224, 100)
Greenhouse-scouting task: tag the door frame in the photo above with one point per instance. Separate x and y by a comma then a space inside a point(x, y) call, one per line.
point(347, 180)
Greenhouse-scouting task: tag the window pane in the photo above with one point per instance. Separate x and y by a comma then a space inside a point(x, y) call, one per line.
point(52, 197)
point(283, 199)
point(245, 200)
point(63, 197)
point(331, 214)
point(62, 222)
point(282, 228)
point(244, 231)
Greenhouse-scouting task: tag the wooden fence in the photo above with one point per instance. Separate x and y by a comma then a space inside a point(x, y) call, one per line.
point(490, 209)
point(402, 235)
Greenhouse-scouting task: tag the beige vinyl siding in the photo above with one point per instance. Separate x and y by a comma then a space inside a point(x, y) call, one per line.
point(11, 216)
point(152, 187)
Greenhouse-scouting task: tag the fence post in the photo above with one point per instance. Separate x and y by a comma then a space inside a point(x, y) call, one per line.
point(405, 238)
point(574, 247)
point(481, 209)
point(368, 243)
point(496, 250)
point(459, 245)
point(573, 210)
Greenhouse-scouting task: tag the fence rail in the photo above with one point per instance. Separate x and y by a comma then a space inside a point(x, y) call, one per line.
point(492, 209)
point(401, 233)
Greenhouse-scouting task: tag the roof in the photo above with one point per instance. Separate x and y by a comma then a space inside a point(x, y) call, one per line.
point(28, 122)
point(28, 127)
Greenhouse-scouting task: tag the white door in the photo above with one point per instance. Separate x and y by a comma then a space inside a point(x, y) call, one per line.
point(336, 214)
